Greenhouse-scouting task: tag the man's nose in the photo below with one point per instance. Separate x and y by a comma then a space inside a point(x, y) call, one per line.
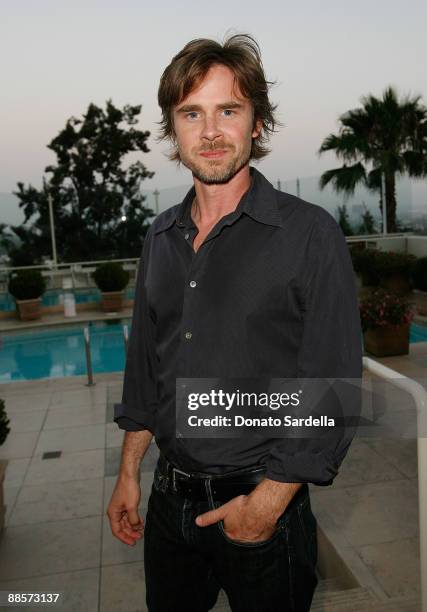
point(211, 129)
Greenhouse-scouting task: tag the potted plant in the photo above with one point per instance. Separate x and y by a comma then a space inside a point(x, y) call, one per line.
point(4, 432)
point(419, 279)
point(111, 279)
point(27, 287)
point(385, 319)
point(395, 270)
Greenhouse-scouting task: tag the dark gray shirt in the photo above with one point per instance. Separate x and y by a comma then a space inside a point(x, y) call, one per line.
point(269, 293)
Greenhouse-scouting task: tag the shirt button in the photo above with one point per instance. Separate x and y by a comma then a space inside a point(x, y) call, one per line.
point(188, 335)
point(193, 284)
point(187, 236)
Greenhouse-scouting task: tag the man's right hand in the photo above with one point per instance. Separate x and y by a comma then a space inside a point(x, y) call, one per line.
point(125, 522)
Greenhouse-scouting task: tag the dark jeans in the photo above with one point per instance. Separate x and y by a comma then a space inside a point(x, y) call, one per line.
point(186, 565)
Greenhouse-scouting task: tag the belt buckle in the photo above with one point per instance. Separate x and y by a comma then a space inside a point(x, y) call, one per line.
point(174, 472)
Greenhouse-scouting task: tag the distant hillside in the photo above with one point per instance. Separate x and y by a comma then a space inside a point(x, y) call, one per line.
point(411, 198)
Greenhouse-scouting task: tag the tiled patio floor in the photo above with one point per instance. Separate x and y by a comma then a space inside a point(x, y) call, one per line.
point(57, 536)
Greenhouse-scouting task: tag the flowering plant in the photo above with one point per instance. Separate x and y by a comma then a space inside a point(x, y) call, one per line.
point(383, 309)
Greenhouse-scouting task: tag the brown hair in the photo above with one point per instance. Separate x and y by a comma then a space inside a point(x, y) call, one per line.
point(188, 68)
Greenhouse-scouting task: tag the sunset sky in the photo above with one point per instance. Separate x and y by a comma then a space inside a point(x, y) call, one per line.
point(59, 56)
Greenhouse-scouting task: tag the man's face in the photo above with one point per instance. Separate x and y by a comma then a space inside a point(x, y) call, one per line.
point(214, 128)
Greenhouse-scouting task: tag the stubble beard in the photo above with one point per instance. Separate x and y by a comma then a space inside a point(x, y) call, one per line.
point(215, 173)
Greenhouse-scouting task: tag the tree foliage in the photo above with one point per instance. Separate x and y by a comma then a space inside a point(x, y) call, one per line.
point(91, 189)
point(385, 137)
point(367, 225)
point(344, 221)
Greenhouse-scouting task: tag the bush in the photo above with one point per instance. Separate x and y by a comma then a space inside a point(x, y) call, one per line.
point(4, 422)
point(382, 309)
point(110, 276)
point(27, 285)
point(364, 264)
point(419, 274)
point(389, 263)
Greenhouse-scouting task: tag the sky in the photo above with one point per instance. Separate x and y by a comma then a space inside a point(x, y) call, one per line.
point(57, 57)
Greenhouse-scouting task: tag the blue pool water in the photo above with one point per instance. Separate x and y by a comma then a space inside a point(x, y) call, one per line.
point(61, 351)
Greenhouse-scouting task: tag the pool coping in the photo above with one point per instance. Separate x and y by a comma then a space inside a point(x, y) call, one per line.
point(61, 320)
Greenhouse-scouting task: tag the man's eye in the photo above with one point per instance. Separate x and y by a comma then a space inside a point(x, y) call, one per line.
point(228, 112)
point(192, 115)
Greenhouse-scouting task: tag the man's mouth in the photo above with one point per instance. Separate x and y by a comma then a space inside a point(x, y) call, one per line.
point(213, 154)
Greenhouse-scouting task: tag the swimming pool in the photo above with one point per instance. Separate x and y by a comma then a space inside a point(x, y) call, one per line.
point(61, 351)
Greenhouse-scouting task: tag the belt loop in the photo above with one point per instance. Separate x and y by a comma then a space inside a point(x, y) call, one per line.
point(173, 480)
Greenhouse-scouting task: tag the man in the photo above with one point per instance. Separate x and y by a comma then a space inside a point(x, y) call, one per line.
point(239, 281)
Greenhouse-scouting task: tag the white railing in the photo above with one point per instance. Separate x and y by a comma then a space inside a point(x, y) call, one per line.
point(80, 272)
point(419, 394)
point(405, 242)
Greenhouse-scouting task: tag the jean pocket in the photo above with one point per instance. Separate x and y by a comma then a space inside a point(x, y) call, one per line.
point(246, 544)
point(239, 543)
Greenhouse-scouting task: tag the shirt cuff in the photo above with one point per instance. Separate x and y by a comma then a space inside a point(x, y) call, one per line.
point(131, 419)
point(317, 468)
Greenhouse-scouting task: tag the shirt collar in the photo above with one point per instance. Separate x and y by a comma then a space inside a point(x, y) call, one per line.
point(259, 202)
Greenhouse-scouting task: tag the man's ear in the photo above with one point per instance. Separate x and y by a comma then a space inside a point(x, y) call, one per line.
point(257, 128)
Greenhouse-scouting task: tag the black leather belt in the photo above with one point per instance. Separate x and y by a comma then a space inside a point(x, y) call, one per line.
point(222, 486)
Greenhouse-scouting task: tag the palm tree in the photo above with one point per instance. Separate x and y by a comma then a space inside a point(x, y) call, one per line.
point(386, 137)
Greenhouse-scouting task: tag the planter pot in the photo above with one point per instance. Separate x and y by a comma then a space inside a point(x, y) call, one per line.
point(387, 341)
point(29, 310)
point(397, 284)
point(112, 301)
point(420, 299)
point(3, 465)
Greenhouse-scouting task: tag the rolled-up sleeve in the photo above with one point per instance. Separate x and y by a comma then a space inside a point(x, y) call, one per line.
point(137, 409)
point(330, 355)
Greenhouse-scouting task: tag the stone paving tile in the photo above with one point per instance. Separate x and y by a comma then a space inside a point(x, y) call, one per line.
point(71, 439)
point(46, 548)
point(74, 416)
point(372, 513)
point(390, 560)
point(115, 435)
point(112, 461)
point(123, 588)
point(79, 589)
point(10, 496)
point(26, 401)
point(79, 396)
point(19, 445)
point(57, 501)
point(28, 420)
point(400, 453)
point(69, 466)
point(363, 464)
point(15, 471)
point(17, 389)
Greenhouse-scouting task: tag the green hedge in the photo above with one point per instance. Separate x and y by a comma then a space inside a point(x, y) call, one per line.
point(27, 284)
point(110, 276)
